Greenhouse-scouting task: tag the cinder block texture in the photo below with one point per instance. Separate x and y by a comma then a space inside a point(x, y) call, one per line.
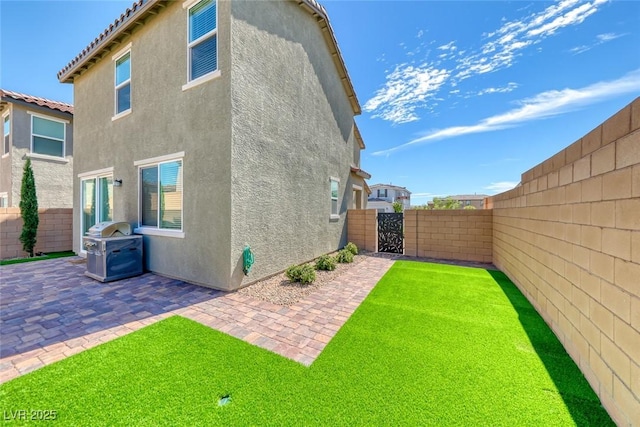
point(362, 228)
point(463, 235)
point(54, 232)
point(573, 249)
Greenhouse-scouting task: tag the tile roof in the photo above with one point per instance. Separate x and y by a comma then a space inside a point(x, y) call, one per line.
point(7, 95)
point(124, 25)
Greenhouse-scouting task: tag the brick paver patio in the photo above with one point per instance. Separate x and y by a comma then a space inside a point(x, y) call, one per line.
point(49, 310)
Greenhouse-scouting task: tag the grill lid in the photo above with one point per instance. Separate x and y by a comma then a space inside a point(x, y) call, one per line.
point(109, 229)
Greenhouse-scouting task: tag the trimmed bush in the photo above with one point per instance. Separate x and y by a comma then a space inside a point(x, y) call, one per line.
point(28, 209)
point(301, 273)
point(344, 256)
point(326, 262)
point(351, 247)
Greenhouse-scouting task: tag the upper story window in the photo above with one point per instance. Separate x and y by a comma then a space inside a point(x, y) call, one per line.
point(6, 132)
point(47, 136)
point(335, 184)
point(203, 39)
point(123, 83)
point(382, 193)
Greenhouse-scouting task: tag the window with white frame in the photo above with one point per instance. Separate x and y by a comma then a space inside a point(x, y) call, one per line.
point(4, 200)
point(123, 83)
point(335, 185)
point(47, 136)
point(161, 195)
point(96, 198)
point(6, 123)
point(203, 39)
point(382, 193)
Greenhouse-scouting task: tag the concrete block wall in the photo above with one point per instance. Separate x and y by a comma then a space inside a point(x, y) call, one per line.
point(362, 228)
point(54, 232)
point(464, 235)
point(569, 237)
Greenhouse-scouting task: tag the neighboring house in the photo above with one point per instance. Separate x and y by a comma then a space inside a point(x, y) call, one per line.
point(383, 196)
point(212, 126)
point(475, 200)
point(42, 130)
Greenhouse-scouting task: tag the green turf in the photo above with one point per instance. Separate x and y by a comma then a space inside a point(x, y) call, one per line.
point(50, 255)
point(431, 345)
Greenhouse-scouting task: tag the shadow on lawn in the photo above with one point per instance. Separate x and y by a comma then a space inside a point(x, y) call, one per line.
point(46, 302)
point(573, 388)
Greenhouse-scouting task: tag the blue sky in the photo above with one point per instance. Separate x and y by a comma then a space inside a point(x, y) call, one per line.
point(457, 96)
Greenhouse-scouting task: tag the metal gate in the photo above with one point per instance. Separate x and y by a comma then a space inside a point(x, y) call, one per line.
point(390, 232)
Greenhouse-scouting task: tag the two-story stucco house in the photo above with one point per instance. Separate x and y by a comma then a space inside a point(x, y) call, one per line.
point(40, 129)
point(383, 196)
point(215, 125)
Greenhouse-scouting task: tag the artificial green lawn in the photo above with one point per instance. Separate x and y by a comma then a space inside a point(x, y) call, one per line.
point(431, 345)
point(50, 255)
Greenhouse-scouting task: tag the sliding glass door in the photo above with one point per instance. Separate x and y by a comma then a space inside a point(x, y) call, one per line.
point(96, 201)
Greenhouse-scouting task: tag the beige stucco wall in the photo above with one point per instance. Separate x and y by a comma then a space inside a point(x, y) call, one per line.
point(52, 176)
point(292, 131)
point(569, 237)
point(164, 120)
point(5, 159)
point(261, 141)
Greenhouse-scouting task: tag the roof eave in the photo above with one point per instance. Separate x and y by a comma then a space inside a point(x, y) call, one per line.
point(320, 14)
point(105, 41)
point(358, 136)
point(123, 26)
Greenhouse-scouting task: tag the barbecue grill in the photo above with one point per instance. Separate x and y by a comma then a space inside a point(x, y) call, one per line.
point(112, 252)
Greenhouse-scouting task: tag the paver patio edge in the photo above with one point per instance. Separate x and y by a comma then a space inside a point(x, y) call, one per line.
point(299, 332)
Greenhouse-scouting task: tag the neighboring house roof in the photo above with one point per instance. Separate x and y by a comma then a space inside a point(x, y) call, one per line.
point(469, 197)
point(376, 199)
point(376, 186)
point(10, 96)
point(140, 10)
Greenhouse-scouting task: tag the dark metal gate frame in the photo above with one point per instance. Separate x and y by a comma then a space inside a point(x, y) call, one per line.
point(390, 232)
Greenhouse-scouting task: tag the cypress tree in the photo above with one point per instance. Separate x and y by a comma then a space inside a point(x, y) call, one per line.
point(28, 209)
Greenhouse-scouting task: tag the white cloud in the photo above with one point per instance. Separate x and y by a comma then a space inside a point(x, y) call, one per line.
point(541, 106)
point(608, 37)
point(600, 39)
point(501, 186)
point(505, 89)
point(408, 87)
point(449, 46)
point(505, 44)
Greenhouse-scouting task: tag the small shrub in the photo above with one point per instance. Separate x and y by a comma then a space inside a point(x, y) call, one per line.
point(351, 247)
point(293, 273)
point(344, 256)
point(326, 262)
point(301, 273)
point(307, 274)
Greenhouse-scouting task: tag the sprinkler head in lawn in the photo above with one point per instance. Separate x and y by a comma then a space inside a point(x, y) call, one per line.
point(224, 400)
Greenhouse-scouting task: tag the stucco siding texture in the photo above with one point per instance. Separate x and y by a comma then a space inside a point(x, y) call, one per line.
point(292, 128)
point(164, 119)
point(53, 177)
